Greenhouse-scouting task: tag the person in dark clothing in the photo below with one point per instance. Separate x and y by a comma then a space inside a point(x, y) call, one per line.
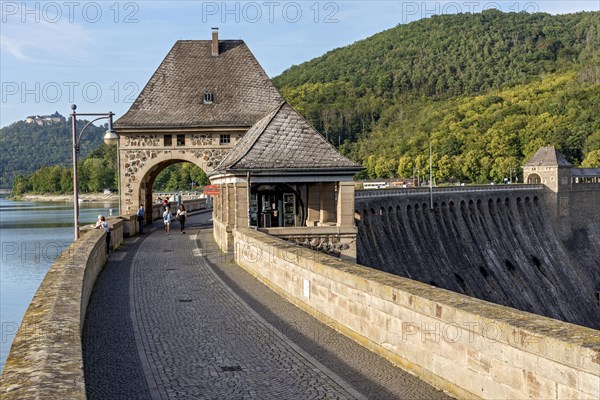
point(140, 218)
point(181, 216)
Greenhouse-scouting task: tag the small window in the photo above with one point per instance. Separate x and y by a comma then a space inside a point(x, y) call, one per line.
point(208, 98)
point(180, 140)
point(225, 139)
point(168, 140)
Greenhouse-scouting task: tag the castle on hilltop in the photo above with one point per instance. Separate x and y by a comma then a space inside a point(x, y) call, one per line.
point(42, 120)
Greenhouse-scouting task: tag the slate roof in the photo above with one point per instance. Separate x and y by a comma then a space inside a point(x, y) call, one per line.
point(284, 140)
point(547, 156)
point(586, 172)
point(174, 95)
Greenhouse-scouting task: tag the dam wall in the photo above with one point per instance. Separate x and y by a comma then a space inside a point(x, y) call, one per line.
point(493, 243)
point(469, 347)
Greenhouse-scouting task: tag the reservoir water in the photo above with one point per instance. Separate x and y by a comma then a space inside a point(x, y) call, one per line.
point(32, 236)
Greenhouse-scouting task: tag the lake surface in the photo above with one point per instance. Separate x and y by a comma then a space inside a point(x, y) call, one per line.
point(32, 235)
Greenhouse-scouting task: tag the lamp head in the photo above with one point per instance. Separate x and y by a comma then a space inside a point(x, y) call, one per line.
point(111, 137)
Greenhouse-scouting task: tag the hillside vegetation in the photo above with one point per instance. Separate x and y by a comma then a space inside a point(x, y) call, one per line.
point(27, 147)
point(98, 171)
point(38, 159)
point(488, 89)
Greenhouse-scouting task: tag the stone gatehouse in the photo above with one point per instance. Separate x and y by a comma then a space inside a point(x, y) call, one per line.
point(211, 97)
point(197, 105)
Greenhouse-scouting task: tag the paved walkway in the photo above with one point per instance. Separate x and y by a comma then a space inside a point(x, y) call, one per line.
point(172, 317)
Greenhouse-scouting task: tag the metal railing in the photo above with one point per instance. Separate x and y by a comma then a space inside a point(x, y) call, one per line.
point(364, 194)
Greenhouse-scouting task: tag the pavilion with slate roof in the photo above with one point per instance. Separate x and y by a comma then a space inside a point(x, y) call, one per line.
point(211, 103)
point(301, 187)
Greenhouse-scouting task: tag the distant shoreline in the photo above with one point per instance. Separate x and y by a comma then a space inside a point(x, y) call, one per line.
point(83, 197)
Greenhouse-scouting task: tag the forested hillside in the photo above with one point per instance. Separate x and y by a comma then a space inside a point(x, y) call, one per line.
point(27, 147)
point(487, 89)
point(98, 171)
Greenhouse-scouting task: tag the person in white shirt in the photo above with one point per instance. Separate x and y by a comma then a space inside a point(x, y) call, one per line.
point(102, 224)
point(167, 219)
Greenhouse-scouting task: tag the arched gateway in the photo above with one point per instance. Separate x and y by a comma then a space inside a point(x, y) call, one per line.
point(212, 104)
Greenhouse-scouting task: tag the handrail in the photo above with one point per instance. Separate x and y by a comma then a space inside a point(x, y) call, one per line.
point(362, 194)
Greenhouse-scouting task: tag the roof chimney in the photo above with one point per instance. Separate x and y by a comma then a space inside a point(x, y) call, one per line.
point(215, 41)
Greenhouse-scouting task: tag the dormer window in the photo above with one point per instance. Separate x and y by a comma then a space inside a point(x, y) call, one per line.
point(208, 98)
point(224, 139)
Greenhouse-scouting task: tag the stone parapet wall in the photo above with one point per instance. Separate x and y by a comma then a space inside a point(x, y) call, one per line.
point(117, 225)
point(45, 360)
point(190, 206)
point(469, 347)
point(130, 225)
point(222, 235)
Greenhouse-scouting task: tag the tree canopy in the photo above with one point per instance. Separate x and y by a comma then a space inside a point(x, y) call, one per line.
point(27, 147)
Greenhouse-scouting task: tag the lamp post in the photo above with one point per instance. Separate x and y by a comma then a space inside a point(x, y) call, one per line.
point(430, 177)
point(110, 138)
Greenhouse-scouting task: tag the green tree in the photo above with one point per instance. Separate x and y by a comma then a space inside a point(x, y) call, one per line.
point(406, 167)
point(20, 186)
point(592, 160)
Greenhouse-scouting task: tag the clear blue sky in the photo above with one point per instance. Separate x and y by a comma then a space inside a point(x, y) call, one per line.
point(99, 54)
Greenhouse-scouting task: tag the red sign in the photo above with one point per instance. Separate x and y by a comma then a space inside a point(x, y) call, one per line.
point(212, 190)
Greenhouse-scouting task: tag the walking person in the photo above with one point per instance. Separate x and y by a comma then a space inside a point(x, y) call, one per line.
point(167, 220)
point(140, 218)
point(181, 216)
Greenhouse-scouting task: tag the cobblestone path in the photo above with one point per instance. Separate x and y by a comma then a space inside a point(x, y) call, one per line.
point(172, 317)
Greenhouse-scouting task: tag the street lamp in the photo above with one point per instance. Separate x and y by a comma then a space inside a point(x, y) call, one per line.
point(430, 177)
point(110, 138)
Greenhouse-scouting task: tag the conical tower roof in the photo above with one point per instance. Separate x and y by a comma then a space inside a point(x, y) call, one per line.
point(284, 141)
point(241, 92)
point(547, 156)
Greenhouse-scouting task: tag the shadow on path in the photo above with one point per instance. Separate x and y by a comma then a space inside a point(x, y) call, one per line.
point(173, 317)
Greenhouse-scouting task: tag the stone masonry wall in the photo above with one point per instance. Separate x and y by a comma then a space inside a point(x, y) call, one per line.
point(45, 360)
point(466, 346)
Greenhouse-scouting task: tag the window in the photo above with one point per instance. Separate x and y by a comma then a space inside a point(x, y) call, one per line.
point(225, 139)
point(180, 140)
point(168, 140)
point(208, 98)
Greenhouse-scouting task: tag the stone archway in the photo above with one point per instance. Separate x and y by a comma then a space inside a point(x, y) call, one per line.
point(533, 179)
point(140, 166)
